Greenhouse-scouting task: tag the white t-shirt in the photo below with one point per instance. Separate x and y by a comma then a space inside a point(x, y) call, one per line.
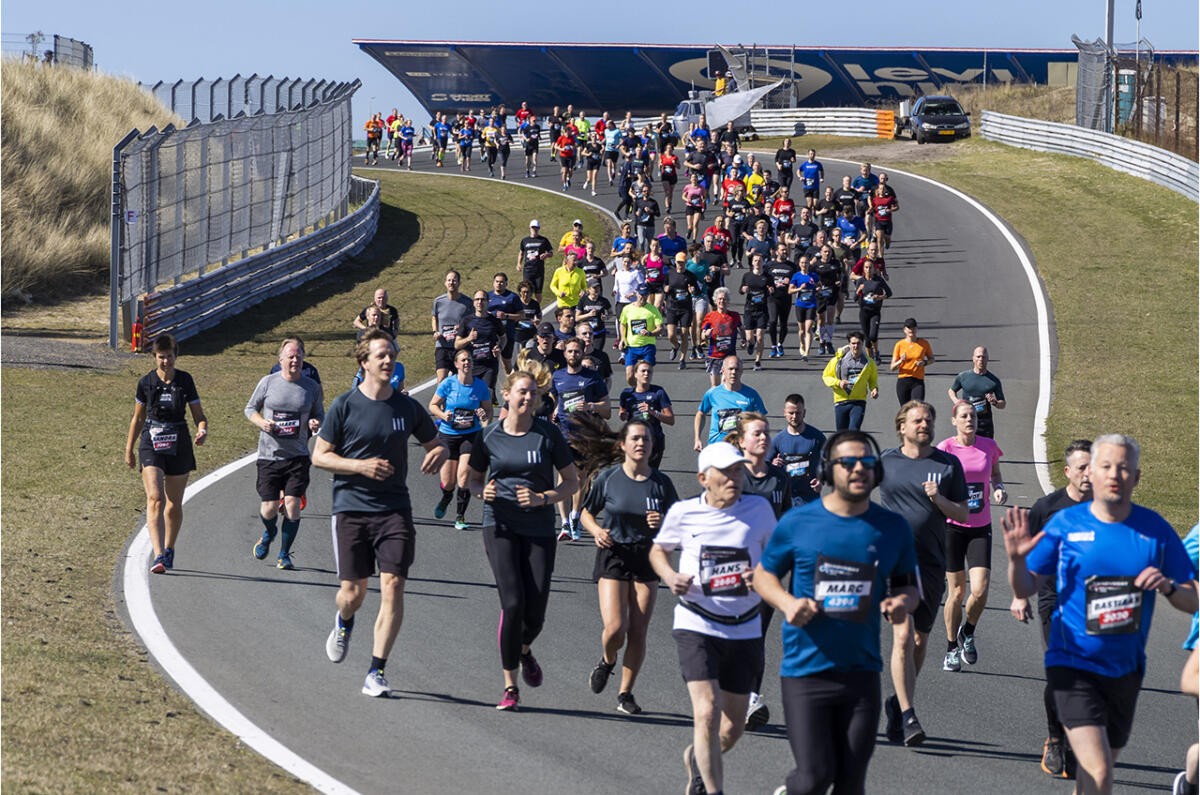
point(715, 546)
point(625, 284)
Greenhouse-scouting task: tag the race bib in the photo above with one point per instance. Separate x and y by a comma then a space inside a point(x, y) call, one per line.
point(1114, 605)
point(449, 333)
point(164, 437)
point(757, 298)
point(531, 255)
point(806, 293)
point(723, 344)
point(781, 281)
point(481, 349)
point(638, 327)
point(722, 570)
point(462, 419)
point(572, 400)
point(842, 588)
point(727, 419)
point(681, 295)
point(796, 466)
point(976, 499)
point(826, 292)
point(980, 403)
point(287, 424)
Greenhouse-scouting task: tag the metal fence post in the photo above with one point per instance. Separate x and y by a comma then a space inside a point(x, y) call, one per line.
point(117, 231)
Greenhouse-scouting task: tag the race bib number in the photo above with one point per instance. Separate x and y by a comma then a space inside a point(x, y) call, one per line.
point(668, 171)
point(781, 281)
point(727, 419)
point(532, 255)
point(1114, 605)
point(638, 326)
point(757, 298)
point(806, 293)
point(681, 295)
point(722, 570)
point(980, 403)
point(796, 466)
point(826, 292)
point(976, 499)
point(842, 588)
point(449, 333)
point(164, 438)
point(572, 400)
point(287, 424)
point(481, 349)
point(723, 344)
point(462, 419)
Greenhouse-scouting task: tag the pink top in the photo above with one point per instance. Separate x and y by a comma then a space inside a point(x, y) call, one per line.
point(977, 462)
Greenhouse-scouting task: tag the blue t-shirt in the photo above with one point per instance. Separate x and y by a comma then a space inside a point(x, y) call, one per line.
point(611, 138)
point(801, 457)
point(811, 173)
point(461, 402)
point(620, 242)
point(441, 130)
point(807, 282)
point(655, 397)
point(853, 228)
point(510, 303)
point(671, 246)
point(1101, 620)
point(723, 407)
point(844, 563)
point(406, 133)
point(572, 389)
point(1191, 543)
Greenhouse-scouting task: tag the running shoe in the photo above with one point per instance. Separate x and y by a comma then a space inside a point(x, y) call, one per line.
point(674, 353)
point(263, 546)
point(599, 678)
point(891, 708)
point(967, 643)
point(758, 366)
point(159, 567)
point(913, 733)
point(564, 532)
point(284, 562)
point(460, 523)
point(695, 781)
point(750, 347)
point(626, 704)
point(1181, 786)
point(376, 685)
point(1054, 761)
point(531, 672)
point(953, 661)
point(683, 365)
point(757, 713)
point(510, 700)
point(169, 558)
point(439, 510)
point(338, 642)
point(576, 529)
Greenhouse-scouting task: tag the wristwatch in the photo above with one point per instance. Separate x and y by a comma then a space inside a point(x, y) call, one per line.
point(1174, 588)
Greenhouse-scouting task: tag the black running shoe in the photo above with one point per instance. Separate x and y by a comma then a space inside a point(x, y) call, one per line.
point(600, 674)
point(1054, 761)
point(626, 704)
point(913, 733)
point(891, 708)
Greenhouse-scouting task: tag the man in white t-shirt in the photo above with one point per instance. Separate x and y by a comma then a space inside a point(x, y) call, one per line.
point(720, 536)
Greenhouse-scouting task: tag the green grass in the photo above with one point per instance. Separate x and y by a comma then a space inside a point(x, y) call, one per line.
point(84, 711)
point(1118, 256)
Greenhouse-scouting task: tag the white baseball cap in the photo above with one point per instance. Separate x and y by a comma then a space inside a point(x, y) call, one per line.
point(577, 222)
point(534, 222)
point(737, 158)
point(721, 455)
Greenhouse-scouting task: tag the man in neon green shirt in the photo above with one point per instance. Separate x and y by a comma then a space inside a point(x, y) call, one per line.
point(641, 323)
point(852, 375)
point(568, 282)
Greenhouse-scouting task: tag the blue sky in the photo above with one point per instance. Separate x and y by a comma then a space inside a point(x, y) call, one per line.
point(219, 38)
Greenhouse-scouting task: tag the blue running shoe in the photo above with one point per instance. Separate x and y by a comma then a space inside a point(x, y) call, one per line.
point(263, 546)
point(169, 558)
point(284, 562)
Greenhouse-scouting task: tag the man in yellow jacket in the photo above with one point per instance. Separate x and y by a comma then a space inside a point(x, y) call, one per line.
point(568, 282)
point(852, 375)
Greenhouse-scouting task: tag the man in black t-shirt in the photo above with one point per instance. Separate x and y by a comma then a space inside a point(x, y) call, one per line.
point(785, 163)
point(389, 317)
point(531, 258)
point(730, 136)
point(364, 443)
point(645, 210)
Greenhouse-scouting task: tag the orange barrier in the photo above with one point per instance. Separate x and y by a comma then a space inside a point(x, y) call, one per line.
point(885, 123)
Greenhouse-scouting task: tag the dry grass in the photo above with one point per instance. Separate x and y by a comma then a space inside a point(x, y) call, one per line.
point(1048, 103)
point(56, 141)
point(84, 711)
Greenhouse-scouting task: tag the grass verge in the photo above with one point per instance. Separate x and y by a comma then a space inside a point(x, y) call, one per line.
point(1118, 257)
point(84, 711)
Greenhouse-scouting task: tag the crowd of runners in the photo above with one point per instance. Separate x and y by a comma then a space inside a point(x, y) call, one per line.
point(836, 534)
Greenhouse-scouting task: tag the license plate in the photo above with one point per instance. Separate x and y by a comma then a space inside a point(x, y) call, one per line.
point(945, 132)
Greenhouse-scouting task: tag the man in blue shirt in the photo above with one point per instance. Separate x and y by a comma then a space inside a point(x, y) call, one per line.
point(721, 405)
point(797, 448)
point(505, 306)
point(577, 389)
point(844, 553)
point(1108, 557)
point(811, 174)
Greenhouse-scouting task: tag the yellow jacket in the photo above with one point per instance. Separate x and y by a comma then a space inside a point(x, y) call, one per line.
point(867, 380)
point(567, 286)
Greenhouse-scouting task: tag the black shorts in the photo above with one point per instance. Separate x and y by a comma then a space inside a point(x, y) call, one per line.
point(693, 209)
point(611, 156)
point(183, 462)
point(536, 278)
point(465, 149)
point(669, 179)
point(566, 161)
point(755, 318)
point(1083, 698)
point(824, 302)
point(655, 288)
point(510, 340)
point(624, 562)
point(486, 370)
point(933, 587)
point(812, 193)
point(804, 313)
point(733, 663)
point(678, 315)
point(459, 444)
point(288, 475)
point(443, 358)
point(970, 544)
point(883, 226)
point(593, 163)
point(360, 540)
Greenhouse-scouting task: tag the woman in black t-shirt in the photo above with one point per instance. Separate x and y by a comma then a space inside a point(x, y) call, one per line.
point(164, 449)
point(512, 469)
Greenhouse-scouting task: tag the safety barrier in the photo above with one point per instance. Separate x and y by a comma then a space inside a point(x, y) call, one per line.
point(1121, 154)
point(188, 308)
point(856, 122)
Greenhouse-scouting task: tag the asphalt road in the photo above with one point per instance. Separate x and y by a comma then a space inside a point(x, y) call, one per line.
point(257, 634)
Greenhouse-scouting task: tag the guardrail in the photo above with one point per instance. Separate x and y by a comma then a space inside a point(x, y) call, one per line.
point(1121, 154)
point(189, 308)
point(856, 122)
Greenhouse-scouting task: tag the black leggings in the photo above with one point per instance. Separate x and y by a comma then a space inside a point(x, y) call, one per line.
point(738, 247)
point(868, 320)
point(908, 388)
point(626, 203)
point(831, 720)
point(777, 318)
point(522, 566)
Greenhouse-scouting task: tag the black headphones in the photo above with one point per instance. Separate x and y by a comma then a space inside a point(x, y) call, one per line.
point(838, 438)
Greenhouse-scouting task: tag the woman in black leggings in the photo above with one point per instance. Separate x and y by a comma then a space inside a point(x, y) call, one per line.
point(512, 469)
point(871, 290)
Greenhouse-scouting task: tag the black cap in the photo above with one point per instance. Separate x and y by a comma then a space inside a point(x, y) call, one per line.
point(910, 322)
point(545, 330)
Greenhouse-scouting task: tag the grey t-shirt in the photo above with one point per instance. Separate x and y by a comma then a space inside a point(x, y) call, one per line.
point(531, 460)
point(902, 491)
point(290, 405)
point(360, 427)
point(625, 501)
point(449, 314)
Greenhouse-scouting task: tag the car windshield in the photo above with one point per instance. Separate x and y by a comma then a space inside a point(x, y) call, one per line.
point(944, 107)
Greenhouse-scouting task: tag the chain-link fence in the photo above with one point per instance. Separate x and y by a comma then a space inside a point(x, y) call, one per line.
point(52, 50)
point(1092, 83)
point(206, 100)
point(187, 200)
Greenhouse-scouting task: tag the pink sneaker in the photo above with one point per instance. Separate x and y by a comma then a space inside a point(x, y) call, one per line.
point(510, 700)
point(531, 672)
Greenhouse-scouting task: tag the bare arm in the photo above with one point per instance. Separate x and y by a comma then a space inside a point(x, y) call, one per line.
point(135, 430)
point(200, 420)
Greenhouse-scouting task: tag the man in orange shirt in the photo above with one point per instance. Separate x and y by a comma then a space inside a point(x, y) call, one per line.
point(374, 128)
point(909, 356)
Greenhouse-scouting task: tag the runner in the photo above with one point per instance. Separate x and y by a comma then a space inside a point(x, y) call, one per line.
point(806, 287)
point(164, 448)
point(293, 407)
point(668, 170)
point(797, 448)
point(391, 125)
point(721, 405)
point(531, 133)
point(852, 375)
point(757, 286)
point(830, 275)
point(626, 491)
point(462, 405)
point(577, 390)
point(568, 282)
point(1108, 557)
point(779, 303)
point(374, 128)
point(531, 258)
point(719, 329)
point(926, 487)
point(545, 350)
point(969, 543)
point(531, 314)
point(512, 469)
point(593, 311)
point(982, 388)
point(649, 404)
point(717, 629)
point(694, 202)
point(811, 173)
point(594, 355)
point(645, 210)
point(785, 163)
point(826, 213)
point(389, 315)
point(466, 139)
point(864, 186)
point(678, 314)
point(871, 291)
point(639, 326)
point(655, 267)
point(829, 676)
point(591, 152)
point(364, 443)
point(449, 310)
point(505, 306)
point(483, 335)
point(883, 209)
point(504, 141)
point(564, 148)
point(910, 356)
point(441, 133)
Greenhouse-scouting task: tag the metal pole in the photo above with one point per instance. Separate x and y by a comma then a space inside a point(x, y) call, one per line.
point(118, 220)
point(985, 70)
point(1110, 84)
point(792, 75)
point(1177, 77)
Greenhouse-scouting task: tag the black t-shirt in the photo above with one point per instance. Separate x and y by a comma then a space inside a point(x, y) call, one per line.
point(775, 487)
point(780, 272)
point(830, 275)
point(731, 137)
point(391, 319)
point(845, 197)
point(619, 503)
point(757, 288)
point(166, 403)
point(531, 313)
point(488, 331)
point(805, 232)
point(645, 211)
point(532, 249)
point(902, 491)
point(827, 212)
point(869, 289)
point(785, 158)
point(531, 132)
point(587, 304)
point(553, 360)
point(531, 460)
point(738, 209)
point(699, 160)
point(679, 287)
point(593, 267)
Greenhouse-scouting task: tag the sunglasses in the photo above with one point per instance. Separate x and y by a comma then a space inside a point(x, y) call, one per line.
point(851, 461)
